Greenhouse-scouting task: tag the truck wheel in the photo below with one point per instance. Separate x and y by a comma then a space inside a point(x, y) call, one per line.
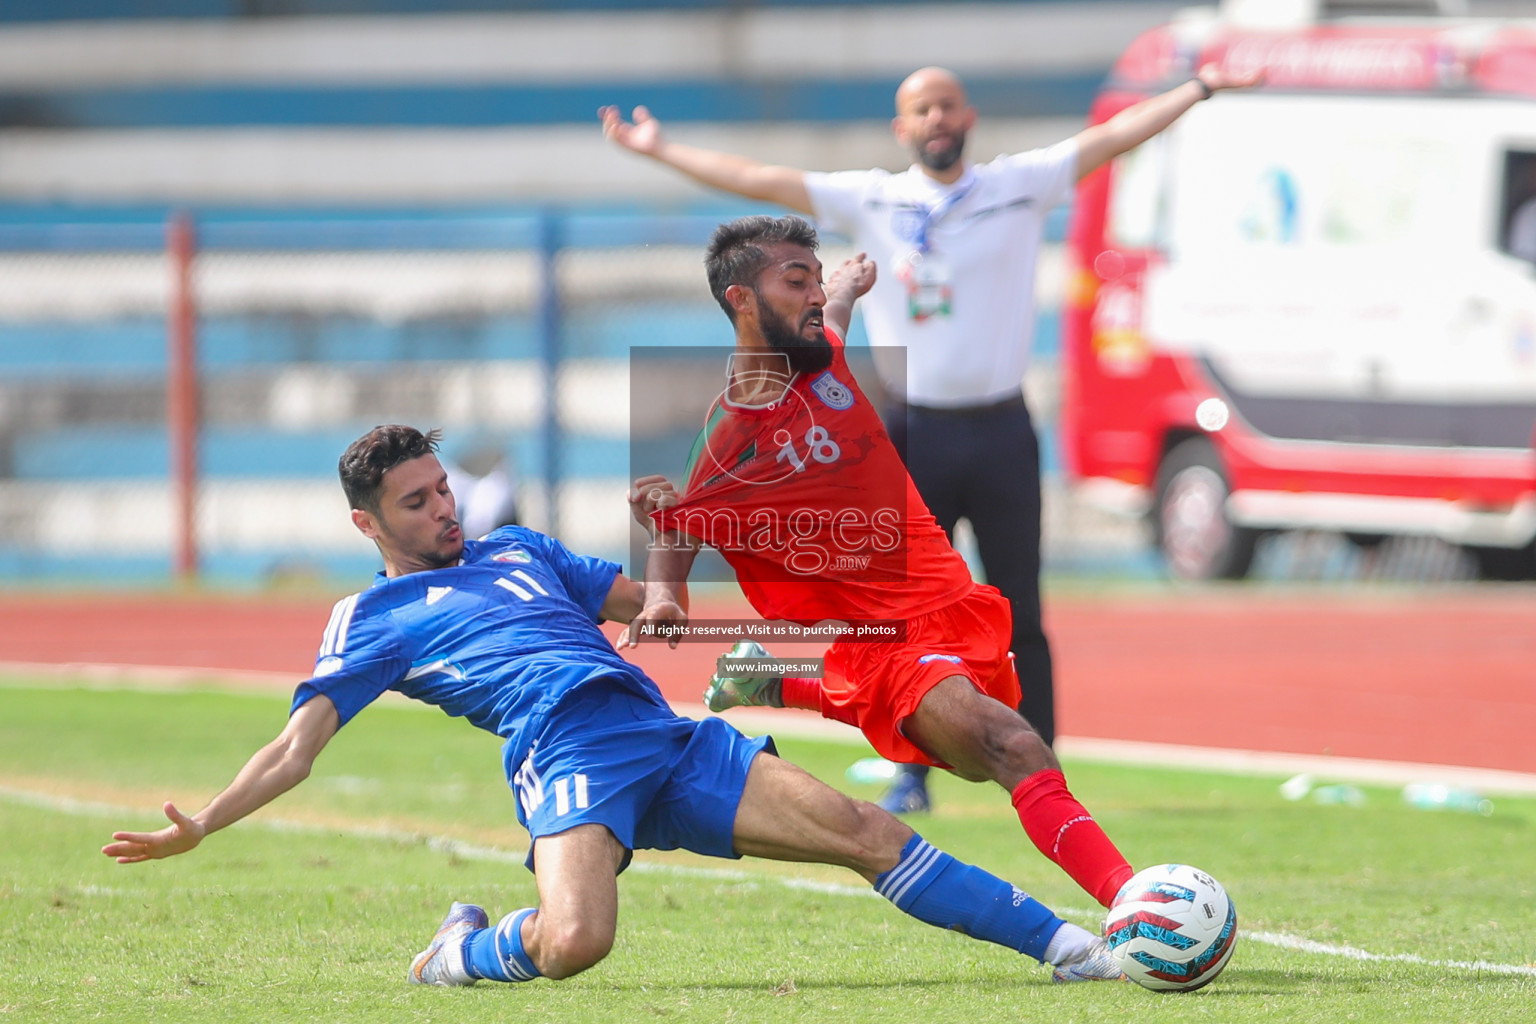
point(1198, 540)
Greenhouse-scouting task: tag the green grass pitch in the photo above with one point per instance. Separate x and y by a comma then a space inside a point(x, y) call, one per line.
point(312, 910)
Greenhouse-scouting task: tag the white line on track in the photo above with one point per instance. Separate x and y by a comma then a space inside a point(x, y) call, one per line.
point(492, 854)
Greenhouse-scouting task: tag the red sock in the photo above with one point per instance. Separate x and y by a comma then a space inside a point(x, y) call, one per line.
point(1066, 833)
point(800, 692)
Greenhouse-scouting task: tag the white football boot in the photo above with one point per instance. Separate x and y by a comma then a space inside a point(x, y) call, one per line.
point(1092, 964)
point(442, 963)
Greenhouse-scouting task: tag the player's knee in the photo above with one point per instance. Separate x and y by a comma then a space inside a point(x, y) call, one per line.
point(566, 948)
point(1014, 749)
point(845, 821)
point(880, 837)
point(858, 835)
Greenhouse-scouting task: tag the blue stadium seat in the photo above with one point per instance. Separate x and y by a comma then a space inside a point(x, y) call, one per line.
point(142, 452)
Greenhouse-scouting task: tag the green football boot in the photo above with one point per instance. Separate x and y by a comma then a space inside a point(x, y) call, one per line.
point(729, 689)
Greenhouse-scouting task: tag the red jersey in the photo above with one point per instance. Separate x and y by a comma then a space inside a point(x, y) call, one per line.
point(809, 502)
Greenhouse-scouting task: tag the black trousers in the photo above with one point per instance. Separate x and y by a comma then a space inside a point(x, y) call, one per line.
point(983, 465)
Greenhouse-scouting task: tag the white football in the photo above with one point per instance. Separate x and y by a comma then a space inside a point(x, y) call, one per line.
point(1172, 928)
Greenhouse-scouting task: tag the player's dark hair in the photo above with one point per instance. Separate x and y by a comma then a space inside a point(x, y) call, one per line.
point(366, 460)
point(736, 255)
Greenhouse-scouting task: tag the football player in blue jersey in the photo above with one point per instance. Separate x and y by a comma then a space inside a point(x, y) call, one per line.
point(504, 632)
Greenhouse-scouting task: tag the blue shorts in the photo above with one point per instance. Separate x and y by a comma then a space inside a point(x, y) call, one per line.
point(655, 780)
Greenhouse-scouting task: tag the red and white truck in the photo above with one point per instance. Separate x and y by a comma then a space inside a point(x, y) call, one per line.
point(1302, 306)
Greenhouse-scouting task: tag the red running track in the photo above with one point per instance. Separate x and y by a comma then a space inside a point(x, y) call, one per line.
point(1443, 675)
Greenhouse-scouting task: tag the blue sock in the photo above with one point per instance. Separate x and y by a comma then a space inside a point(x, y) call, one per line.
point(932, 886)
point(497, 954)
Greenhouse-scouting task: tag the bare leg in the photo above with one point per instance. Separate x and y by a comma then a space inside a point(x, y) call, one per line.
point(577, 872)
point(788, 814)
point(979, 737)
point(984, 739)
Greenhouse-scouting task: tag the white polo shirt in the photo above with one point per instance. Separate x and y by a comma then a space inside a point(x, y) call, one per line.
point(967, 332)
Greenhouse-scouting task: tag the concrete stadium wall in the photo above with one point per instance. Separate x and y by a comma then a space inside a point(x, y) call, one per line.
point(473, 107)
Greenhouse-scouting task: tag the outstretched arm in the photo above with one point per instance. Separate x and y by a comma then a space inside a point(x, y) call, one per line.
point(669, 559)
point(666, 587)
point(848, 282)
point(626, 597)
point(271, 772)
point(725, 171)
point(1100, 143)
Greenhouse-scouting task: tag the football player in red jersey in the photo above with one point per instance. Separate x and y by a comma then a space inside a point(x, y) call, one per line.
point(795, 481)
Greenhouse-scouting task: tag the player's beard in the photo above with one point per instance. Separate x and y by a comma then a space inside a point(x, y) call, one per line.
point(942, 159)
point(805, 355)
point(443, 555)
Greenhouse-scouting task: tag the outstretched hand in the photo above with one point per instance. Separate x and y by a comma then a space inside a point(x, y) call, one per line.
point(654, 614)
point(1217, 78)
point(181, 835)
point(642, 135)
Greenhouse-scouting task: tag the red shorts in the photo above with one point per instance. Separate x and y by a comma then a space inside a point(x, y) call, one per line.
point(878, 686)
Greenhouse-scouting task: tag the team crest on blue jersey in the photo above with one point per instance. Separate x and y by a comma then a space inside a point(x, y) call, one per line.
point(512, 555)
point(832, 392)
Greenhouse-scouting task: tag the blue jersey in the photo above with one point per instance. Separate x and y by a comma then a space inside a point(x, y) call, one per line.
point(498, 639)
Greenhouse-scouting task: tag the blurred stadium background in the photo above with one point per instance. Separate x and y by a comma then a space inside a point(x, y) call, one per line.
point(360, 211)
point(404, 210)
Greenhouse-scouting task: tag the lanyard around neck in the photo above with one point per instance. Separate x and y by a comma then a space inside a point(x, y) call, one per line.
point(931, 214)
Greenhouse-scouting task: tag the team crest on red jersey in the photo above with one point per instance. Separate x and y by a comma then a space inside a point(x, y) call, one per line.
point(833, 393)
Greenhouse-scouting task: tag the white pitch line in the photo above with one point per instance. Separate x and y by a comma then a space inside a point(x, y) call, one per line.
point(807, 725)
point(1352, 953)
point(496, 855)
